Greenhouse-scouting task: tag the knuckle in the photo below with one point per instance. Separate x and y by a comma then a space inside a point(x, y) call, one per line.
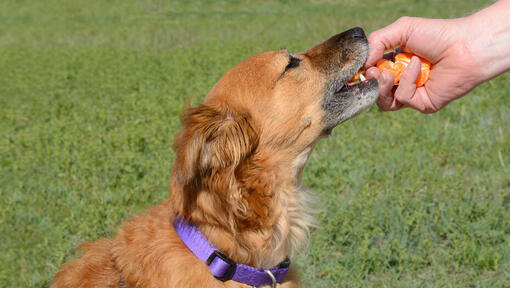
point(406, 78)
point(404, 94)
point(409, 76)
point(402, 100)
point(403, 19)
point(384, 102)
point(383, 107)
point(372, 38)
point(430, 110)
point(387, 79)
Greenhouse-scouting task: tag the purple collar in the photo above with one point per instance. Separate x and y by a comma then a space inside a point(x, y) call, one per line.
point(222, 267)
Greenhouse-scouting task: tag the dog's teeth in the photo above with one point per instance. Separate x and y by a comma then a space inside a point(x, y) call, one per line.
point(362, 77)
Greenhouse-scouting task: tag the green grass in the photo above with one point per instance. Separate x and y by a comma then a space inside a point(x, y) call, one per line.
point(90, 97)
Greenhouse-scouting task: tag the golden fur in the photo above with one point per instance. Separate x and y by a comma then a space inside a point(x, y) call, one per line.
point(239, 158)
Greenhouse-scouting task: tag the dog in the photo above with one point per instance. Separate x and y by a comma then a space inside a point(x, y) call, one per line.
point(236, 178)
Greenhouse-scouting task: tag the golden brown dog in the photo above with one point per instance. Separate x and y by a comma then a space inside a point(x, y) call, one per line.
point(237, 171)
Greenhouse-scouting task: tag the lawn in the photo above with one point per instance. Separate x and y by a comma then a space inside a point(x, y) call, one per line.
point(90, 97)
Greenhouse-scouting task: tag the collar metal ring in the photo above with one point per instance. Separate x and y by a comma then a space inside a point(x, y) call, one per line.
point(272, 277)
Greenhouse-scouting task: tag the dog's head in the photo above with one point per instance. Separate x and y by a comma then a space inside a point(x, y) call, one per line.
point(272, 108)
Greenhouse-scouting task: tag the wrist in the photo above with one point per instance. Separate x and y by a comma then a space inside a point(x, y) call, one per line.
point(487, 37)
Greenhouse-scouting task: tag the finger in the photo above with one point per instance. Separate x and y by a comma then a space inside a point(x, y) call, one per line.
point(407, 87)
point(422, 99)
point(386, 38)
point(373, 73)
point(385, 83)
point(385, 101)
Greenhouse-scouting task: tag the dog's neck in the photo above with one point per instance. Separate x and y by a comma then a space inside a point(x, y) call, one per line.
point(256, 214)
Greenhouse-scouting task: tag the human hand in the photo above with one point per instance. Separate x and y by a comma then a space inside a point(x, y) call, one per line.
point(455, 69)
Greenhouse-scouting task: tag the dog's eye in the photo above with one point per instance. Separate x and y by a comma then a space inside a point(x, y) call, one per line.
point(293, 63)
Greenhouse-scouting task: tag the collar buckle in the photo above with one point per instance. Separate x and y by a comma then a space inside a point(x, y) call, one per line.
point(231, 269)
point(285, 263)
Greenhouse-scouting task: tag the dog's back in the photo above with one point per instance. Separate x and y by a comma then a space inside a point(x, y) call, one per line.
point(94, 269)
point(146, 252)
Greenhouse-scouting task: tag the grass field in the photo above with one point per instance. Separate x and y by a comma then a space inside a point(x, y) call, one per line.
point(90, 96)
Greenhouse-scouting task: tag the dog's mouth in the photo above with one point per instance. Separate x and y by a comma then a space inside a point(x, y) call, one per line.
point(348, 96)
point(353, 86)
point(357, 83)
point(357, 80)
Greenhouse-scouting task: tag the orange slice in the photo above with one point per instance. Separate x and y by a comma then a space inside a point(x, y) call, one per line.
point(390, 66)
point(397, 68)
point(405, 59)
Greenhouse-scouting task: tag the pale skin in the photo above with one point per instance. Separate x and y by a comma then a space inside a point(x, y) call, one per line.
point(465, 52)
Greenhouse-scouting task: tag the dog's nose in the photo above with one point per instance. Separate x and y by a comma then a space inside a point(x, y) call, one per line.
point(356, 33)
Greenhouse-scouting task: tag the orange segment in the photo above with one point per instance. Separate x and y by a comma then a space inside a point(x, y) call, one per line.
point(401, 62)
point(399, 69)
point(405, 59)
point(390, 66)
point(424, 76)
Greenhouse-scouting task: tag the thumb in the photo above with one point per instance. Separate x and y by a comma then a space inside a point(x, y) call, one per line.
point(388, 37)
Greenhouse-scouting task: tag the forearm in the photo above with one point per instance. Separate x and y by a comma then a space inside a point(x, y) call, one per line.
point(489, 38)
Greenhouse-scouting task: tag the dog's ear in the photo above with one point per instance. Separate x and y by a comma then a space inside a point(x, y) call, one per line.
point(213, 138)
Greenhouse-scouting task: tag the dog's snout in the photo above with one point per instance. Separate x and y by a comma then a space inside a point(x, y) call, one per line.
point(340, 51)
point(356, 33)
